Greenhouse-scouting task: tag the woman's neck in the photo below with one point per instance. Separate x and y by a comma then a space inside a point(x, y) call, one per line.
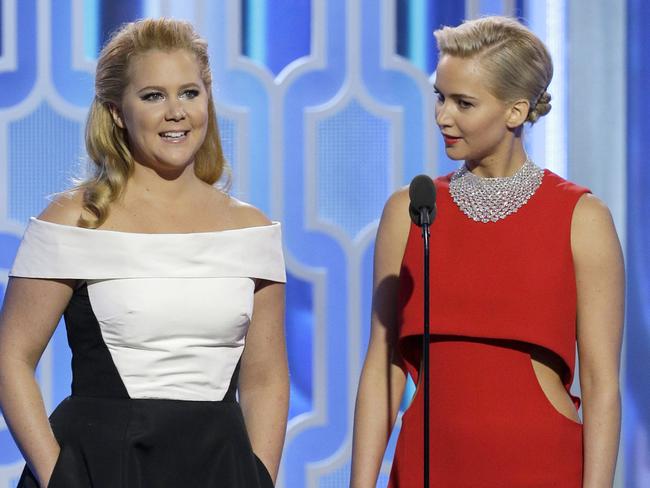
point(146, 182)
point(504, 163)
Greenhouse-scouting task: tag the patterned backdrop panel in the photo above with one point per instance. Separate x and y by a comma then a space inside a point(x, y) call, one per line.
point(325, 108)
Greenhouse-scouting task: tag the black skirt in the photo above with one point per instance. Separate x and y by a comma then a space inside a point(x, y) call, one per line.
point(146, 443)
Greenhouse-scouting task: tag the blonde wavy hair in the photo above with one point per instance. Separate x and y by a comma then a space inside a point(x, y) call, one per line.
point(106, 144)
point(517, 64)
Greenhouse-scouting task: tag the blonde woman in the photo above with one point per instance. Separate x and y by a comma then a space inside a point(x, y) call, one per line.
point(523, 265)
point(172, 293)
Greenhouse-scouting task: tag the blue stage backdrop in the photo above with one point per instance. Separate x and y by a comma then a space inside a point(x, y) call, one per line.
point(325, 108)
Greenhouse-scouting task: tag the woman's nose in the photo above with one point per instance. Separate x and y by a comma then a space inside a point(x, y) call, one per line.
point(442, 115)
point(175, 111)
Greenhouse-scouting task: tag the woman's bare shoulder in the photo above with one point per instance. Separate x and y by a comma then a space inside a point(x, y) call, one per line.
point(591, 219)
point(593, 233)
point(65, 208)
point(243, 214)
point(392, 234)
point(395, 219)
point(397, 204)
point(590, 207)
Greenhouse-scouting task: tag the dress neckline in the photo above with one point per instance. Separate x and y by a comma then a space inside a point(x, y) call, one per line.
point(59, 251)
point(72, 228)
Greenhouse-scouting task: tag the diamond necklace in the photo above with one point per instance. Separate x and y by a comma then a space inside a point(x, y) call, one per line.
point(492, 199)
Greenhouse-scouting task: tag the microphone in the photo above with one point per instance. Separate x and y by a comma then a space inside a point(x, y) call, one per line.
point(422, 210)
point(422, 193)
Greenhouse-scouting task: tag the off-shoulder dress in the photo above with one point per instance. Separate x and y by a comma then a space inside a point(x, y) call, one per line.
point(157, 327)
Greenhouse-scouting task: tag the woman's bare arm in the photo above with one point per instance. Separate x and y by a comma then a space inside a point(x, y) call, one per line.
point(32, 309)
point(264, 376)
point(382, 379)
point(264, 372)
point(600, 284)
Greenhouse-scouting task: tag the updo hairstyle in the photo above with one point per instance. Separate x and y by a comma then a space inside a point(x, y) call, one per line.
point(106, 143)
point(516, 62)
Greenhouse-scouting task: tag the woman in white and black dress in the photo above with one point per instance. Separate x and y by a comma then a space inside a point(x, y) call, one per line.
point(172, 292)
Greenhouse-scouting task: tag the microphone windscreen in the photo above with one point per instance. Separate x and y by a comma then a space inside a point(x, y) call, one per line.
point(422, 193)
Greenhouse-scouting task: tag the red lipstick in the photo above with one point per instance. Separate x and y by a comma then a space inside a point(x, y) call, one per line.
point(449, 140)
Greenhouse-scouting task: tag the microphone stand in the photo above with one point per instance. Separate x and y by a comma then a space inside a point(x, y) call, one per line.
point(422, 192)
point(426, 222)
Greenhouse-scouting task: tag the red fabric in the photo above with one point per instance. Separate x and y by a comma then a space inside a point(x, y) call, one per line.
point(496, 290)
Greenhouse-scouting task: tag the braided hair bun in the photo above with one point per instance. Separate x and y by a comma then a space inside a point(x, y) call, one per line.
point(541, 108)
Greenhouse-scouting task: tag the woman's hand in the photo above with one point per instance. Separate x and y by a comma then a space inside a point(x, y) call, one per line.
point(44, 479)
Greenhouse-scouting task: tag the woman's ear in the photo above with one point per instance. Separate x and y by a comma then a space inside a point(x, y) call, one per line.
point(518, 113)
point(117, 118)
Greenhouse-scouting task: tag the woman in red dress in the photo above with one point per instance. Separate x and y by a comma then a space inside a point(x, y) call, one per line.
point(524, 265)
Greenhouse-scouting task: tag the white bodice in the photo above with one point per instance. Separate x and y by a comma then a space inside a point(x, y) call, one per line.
point(173, 309)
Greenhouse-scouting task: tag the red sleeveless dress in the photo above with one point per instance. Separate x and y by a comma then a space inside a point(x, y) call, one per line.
point(497, 289)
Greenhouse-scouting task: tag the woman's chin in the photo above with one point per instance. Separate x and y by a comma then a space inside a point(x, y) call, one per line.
point(451, 154)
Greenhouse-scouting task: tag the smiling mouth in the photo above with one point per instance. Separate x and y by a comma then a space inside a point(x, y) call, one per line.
point(174, 135)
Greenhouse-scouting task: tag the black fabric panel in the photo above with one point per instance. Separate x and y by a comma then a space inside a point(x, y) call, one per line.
point(93, 371)
point(143, 443)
